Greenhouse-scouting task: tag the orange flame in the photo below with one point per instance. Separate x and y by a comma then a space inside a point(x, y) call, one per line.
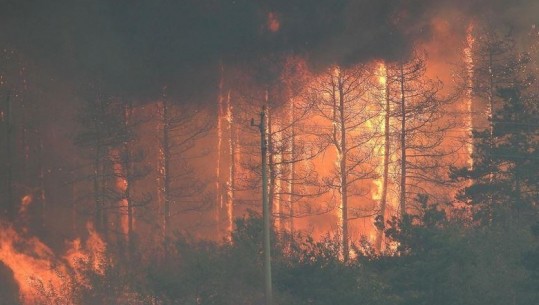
point(42, 276)
point(25, 202)
point(273, 22)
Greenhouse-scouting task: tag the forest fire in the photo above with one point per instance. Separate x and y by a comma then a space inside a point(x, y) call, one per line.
point(162, 153)
point(44, 277)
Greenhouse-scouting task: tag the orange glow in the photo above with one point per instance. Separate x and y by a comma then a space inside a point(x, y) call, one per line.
point(220, 116)
point(121, 186)
point(468, 60)
point(278, 159)
point(273, 22)
point(43, 277)
point(381, 74)
point(121, 182)
point(25, 202)
point(231, 167)
point(90, 255)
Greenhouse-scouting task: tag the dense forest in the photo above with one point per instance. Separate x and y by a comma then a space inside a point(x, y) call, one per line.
point(241, 152)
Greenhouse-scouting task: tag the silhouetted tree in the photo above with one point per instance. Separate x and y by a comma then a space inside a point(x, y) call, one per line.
point(340, 96)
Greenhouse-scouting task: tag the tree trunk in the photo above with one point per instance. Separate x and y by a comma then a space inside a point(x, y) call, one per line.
point(271, 167)
point(232, 166)
point(218, 187)
point(292, 168)
point(385, 174)
point(98, 174)
point(165, 148)
point(344, 173)
point(403, 145)
point(127, 172)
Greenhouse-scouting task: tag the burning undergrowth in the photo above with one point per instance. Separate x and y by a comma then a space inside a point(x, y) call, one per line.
point(46, 277)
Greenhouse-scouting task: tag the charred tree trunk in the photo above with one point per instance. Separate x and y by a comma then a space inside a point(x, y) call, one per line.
point(344, 175)
point(403, 145)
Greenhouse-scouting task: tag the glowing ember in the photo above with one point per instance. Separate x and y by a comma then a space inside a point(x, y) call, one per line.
point(273, 23)
point(25, 202)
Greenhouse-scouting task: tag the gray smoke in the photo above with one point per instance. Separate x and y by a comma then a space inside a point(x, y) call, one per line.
point(135, 48)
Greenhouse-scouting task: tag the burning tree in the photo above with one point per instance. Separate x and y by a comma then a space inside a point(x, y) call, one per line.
point(420, 129)
point(501, 135)
point(413, 147)
point(96, 138)
point(107, 137)
point(340, 97)
point(178, 187)
point(128, 167)
point(293, 180)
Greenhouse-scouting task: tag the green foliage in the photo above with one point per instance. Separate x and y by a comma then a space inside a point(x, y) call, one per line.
point(505, 162)
point(448, 263)
point(437, 261)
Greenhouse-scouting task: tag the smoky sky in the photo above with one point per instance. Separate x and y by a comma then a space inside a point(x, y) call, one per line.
point(135, 48)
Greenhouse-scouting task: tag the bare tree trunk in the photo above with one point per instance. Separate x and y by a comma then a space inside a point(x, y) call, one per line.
point(232, 166)
point(218, 187)
point(491, 124)
point(292, 168)
point(344, 173)
point(127, 172)
point(470, 73)
point(165, 149)
point(403, 145)
point(385, 174)
point(271, 165)
point(276, 158)
point(97, 180)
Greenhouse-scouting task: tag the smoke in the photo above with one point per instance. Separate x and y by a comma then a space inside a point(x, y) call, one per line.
point(134, 48)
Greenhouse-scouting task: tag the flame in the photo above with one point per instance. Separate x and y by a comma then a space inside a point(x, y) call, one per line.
point(468, 60)
point(34, 266)
point(121, 184)
point(42, 276)
point(25, 202)
point(90, 255)
point(273, 22)
point(121, 181)
point(278, 159)
point(231, 166)
point(381, 74)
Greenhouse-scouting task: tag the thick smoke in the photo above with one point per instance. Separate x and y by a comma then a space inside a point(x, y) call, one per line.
point(135, 48)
